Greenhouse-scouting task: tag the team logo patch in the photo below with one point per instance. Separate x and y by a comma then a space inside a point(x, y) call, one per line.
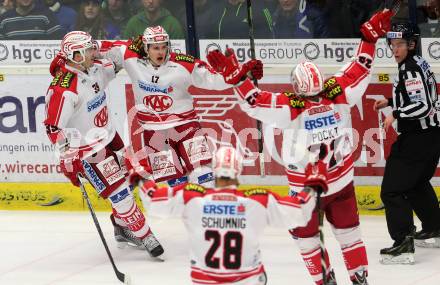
point(257, 191)
point(195, 187)
point(67, 80)
point(121, 195)
point(110, 169)
point(332, 88)
point(96, 102)
point(294, 100)
point(197, 149)
point(185, 58)
point(101, 119)
point(205, 178)
point(162, 164)
point(93, 177)
point(154, 88)
point(158, 103)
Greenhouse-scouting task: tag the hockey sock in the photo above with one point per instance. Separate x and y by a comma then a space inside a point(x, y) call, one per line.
point(312, 260)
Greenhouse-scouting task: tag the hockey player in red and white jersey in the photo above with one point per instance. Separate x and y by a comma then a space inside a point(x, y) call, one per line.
point(316, 117)
point(78, 123)
point(225, 225)
point(173, 140)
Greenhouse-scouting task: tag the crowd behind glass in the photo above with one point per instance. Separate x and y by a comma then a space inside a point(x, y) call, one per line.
point(215, 19)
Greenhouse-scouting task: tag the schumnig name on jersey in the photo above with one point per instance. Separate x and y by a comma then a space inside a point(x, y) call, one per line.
point(224, 223)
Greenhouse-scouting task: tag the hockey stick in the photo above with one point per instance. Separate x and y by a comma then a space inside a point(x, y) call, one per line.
point(321, 238)
point(379, 118)
point(124, 278)
point(259, 125)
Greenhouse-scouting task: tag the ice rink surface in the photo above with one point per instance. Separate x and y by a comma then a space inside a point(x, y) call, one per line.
point(42, 248)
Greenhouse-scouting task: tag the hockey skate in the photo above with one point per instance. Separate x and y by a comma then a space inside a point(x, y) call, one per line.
point(153, 246)
point(360, 278)
point(124, 236)
point(430, 239)
point(402, 253)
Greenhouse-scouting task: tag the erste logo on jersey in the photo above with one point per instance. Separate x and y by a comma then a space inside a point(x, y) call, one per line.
point(101, 119)
point(224, 209)
point(321, 121)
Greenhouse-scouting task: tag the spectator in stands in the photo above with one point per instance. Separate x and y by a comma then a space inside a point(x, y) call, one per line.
point(91, 20)
point(153, 14)
point(290, 20)
point(29, 22)
point(6, 5)
point(207, 12)
point(117, 12)
point(431, 27)
point(66, 15)
point(232, 23)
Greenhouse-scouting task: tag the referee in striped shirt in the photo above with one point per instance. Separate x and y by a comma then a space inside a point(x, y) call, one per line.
point(415, 154)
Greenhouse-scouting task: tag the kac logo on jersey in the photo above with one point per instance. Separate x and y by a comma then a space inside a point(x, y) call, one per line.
point(96, 102)
point(158, 103)
point(230, 209)
point(101, 119)
point(322, 121)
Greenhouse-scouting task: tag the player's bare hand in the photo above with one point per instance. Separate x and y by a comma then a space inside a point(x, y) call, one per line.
point(388, 122)
point(380, 104)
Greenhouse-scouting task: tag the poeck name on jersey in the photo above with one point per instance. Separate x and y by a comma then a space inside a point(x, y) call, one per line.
point(96, 102)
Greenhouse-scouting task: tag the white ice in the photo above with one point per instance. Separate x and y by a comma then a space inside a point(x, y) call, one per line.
point(42, 248)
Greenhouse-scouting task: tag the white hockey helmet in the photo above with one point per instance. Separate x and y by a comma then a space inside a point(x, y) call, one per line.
point(227, 163)
point(155, 35)
point(77, 41)
point(306, 79)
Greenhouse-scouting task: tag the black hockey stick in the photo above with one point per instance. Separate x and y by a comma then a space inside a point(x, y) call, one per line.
point(259, 125)
point(124, 278)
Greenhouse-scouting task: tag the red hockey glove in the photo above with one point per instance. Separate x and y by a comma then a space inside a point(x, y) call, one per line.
point(58, 62)
point(378, 25)
point(316, 176)
point(137, 170)
point(229, 67)
point(257, 68)
point(71, 165)
point(148, 188)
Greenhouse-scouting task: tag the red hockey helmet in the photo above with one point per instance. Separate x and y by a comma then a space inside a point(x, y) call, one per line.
point(227, 163)
point(307, 79)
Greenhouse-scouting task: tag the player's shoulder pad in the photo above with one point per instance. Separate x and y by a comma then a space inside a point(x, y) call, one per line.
point(295, 101)
point(64, 80)
point(332, 88)
point(194, 188)
point(255, 191)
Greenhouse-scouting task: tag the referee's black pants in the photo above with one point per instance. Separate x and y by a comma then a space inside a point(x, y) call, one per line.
point(406, 183)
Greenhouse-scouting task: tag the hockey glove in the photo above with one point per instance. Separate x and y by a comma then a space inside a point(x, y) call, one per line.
point(138, 170)
point(56, 64)
point(232, 71)
point(71, 165)
point(316, 176)
point(378, 25)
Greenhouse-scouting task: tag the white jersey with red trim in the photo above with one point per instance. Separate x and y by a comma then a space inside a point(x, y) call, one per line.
point(322, 126)
point(161, 93)
point(225, 226)
point(76, 104)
